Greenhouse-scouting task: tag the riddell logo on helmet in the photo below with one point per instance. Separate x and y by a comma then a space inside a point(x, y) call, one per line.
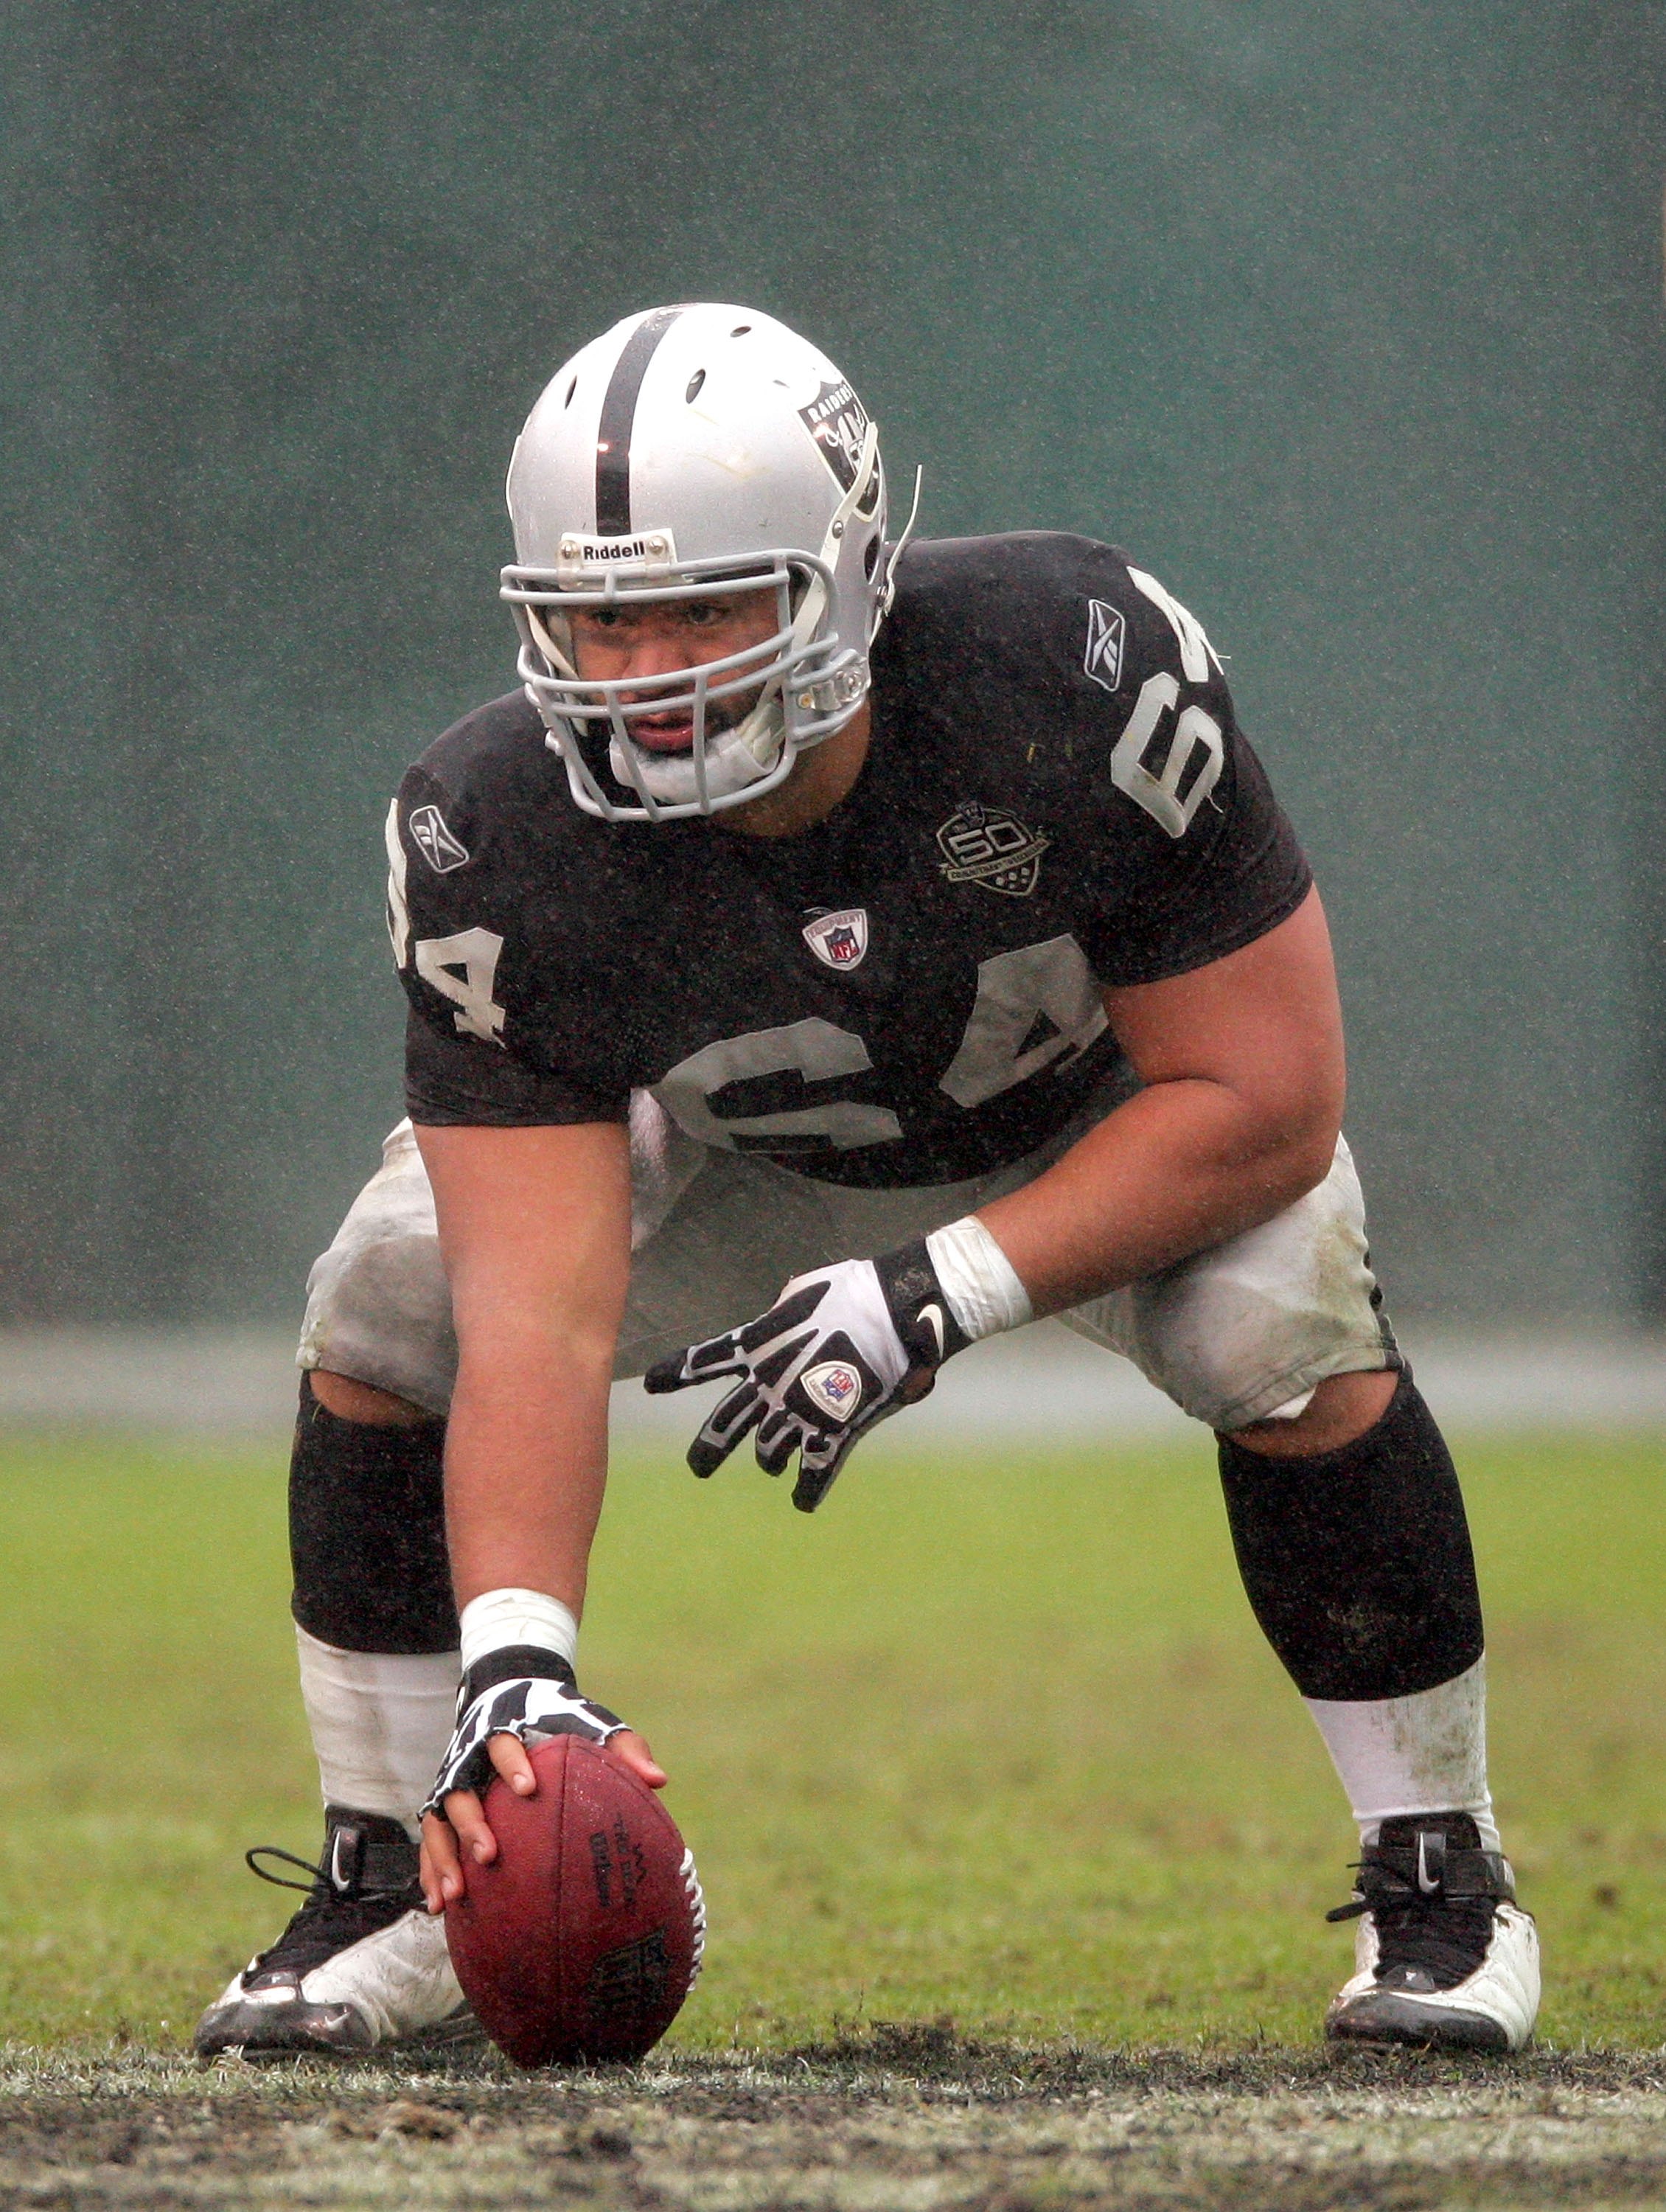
point(652, 546)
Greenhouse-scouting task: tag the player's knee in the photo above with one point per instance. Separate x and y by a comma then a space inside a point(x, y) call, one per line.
point(1341, 1410)
point(360, 1402)
point(367, 1531)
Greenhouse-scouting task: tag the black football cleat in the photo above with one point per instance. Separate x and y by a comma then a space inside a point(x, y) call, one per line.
point(362, 1966)
point(1445, 1958)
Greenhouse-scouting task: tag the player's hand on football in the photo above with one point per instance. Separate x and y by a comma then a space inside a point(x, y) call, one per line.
point(841, 1348)
point(461, 1833)
point(494, 1724)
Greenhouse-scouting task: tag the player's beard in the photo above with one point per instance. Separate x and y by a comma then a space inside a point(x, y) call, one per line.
point(733, 762)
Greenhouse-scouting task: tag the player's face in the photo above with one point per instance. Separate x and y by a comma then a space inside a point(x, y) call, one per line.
point(617, 643)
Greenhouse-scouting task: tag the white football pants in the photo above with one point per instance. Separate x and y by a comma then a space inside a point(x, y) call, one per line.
point(1231, 1334)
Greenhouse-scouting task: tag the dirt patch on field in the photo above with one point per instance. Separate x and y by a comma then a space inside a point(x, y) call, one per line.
point(901, 2120)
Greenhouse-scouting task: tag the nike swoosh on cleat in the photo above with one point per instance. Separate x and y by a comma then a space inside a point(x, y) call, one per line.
point(935, 1315)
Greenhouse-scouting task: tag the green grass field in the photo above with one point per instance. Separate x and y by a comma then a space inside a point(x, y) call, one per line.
point(994, 1738)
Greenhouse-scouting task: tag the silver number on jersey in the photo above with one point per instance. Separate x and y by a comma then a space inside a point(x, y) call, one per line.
point(1196, 651)
point(474, 952)
point(813, 1048)
point(1047, 986)
point(1158, 789)
point(399, 919)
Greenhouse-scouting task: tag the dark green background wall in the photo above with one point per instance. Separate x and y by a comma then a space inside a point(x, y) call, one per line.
point(1346, 320)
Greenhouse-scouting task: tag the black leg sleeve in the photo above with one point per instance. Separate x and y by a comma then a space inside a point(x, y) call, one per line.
point(1358, 1563)
point(368, 1534)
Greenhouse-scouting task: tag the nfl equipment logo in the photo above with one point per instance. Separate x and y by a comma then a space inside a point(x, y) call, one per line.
point(836, 1388)
point(1106, 631)
point(838, 940)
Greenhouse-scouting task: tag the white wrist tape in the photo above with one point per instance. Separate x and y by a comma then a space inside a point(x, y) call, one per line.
point(497, 1619)
point(979, 1280)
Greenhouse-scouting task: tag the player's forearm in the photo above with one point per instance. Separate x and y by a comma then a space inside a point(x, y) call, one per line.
point(535, 1225)
point(527, 1465)
point(1181, 1166)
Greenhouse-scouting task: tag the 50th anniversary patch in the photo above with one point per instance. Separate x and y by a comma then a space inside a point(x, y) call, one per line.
point(986, 845)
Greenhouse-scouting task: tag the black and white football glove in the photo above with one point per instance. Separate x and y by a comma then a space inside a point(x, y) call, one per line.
point(840, 1349)
point(524, 1704)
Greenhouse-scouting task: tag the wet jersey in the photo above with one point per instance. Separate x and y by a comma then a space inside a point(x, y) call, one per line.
point(1056, 798)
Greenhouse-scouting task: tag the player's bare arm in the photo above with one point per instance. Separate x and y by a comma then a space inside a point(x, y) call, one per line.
point(1243, 1069)
point(535, 1230)
point(535, 1227)
point(1243, 1066)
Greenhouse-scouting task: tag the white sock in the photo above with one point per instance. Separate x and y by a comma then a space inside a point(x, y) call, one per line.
point(380, 1722)
point(1424, 1754)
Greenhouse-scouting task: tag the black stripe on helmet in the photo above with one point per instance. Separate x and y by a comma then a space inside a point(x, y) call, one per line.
point(613, 433)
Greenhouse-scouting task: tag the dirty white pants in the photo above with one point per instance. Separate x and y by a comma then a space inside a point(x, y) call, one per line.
point(1229, 1335)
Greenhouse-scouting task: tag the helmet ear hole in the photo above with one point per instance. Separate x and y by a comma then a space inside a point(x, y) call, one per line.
point(870, 558)
point(694, 384)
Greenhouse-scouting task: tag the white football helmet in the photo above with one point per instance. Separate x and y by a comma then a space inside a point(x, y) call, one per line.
point(689, 453)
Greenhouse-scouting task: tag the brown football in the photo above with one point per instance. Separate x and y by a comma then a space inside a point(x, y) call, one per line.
point(582, 1938)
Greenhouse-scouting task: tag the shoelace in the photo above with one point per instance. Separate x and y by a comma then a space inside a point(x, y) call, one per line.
point(1444, 1937)
point(330, 1919)
point(1433, 1912)
point(319, 1876)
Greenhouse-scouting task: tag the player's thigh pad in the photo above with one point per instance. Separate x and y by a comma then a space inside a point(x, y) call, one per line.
point(1236, 1332)
point(378, 1306)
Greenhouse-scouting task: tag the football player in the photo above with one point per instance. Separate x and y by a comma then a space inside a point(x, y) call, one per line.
point(837, 951)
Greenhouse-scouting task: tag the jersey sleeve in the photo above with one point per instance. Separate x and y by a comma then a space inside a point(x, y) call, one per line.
point(456, 930)
point(449, 1085)
point(1196, 857)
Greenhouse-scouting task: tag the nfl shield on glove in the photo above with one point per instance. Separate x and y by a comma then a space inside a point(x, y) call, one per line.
point(840, 1349)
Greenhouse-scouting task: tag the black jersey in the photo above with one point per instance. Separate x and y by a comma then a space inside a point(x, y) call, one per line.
point(1056, 798)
